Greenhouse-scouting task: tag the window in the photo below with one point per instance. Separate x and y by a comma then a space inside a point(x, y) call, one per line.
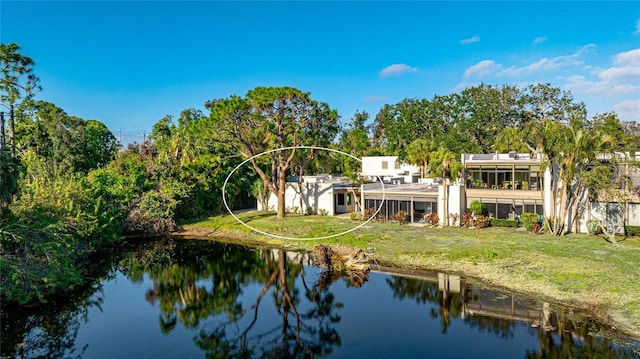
point(397, 165)
point(385, 165)
point(340, 199)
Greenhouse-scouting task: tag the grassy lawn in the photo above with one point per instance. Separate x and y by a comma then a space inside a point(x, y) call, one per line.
point(579, 270)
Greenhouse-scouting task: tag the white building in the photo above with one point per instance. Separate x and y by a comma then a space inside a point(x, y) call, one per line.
point(507, 184)
point(390, 169)
point(320, 194)
point(612, 212)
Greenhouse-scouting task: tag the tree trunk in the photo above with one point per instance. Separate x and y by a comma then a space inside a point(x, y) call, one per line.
point(356, 201)
point(281, 205)
point(282, 187)
point(561, 217)
point(300, 187)
point(13, 132)
point(554, 186)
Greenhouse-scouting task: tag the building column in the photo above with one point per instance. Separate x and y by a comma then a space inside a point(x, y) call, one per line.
point(362, 205)
point(411, 209)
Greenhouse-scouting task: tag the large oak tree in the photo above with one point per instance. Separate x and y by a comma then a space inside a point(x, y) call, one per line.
point(271, 118)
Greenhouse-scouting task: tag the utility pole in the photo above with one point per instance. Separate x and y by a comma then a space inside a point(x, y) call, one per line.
point(144, 137)
point(120, 136)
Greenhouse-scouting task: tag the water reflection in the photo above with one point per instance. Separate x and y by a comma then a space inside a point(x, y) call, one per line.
point(50, 331)
point(205, 282)
point(236, 302)
point(561, 332)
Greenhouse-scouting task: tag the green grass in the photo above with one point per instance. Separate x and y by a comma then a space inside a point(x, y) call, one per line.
point(577, 269)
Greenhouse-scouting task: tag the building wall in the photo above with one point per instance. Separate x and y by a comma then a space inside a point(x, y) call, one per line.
point(372, 166)
point(615, 214)
point(456, 202)
point(634, 214)
point(315, 195)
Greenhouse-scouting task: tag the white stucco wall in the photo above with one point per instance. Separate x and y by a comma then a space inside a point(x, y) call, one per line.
point(315, 195)
point(372, 166)
point(634, 214)
point(456, 200)
point(614, 215)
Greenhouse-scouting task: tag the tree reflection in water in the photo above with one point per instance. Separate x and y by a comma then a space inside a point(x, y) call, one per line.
point(206, 285)
point(561, 332)
point(238, 303)
point(50, 330)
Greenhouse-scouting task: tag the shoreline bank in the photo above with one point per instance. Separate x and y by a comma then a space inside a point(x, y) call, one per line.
point(577, 271)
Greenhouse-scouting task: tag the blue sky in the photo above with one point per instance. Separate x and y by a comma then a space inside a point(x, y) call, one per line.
point(128, 64)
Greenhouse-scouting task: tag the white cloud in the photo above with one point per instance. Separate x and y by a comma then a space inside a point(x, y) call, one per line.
point(548, 64)
point(609, 86)
point(371, 99)
point(539, 40)
point(397, 69)
point(578, 82)
point(470, 40)
point(621, 79)
point(628, 110)
point(637, 32)
point(481, 69)
point(629, 58)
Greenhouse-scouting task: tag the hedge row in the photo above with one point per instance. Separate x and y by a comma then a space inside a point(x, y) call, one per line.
point(498, 222)
point(632, 230)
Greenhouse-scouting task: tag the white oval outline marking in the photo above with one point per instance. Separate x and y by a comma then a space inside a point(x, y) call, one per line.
point(224, 197)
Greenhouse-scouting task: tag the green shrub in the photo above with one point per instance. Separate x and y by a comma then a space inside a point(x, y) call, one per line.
point(354, 215)
point(529, 219)
point(632, 230)
point(476, 207)
point(482, 221)
point(152, 215)
point(593, 227)
point(497, 222)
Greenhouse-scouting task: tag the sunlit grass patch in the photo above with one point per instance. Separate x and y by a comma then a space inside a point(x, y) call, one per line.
point(572, 282)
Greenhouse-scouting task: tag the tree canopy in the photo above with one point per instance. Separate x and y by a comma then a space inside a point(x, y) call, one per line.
point(271, 118)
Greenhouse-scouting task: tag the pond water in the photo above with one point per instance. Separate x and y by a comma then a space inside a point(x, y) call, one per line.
point(195, 299)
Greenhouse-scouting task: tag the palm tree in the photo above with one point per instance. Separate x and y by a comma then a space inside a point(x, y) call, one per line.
point(419, 152)
point(444, 164)
point(575, 155)
point(511, 139)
